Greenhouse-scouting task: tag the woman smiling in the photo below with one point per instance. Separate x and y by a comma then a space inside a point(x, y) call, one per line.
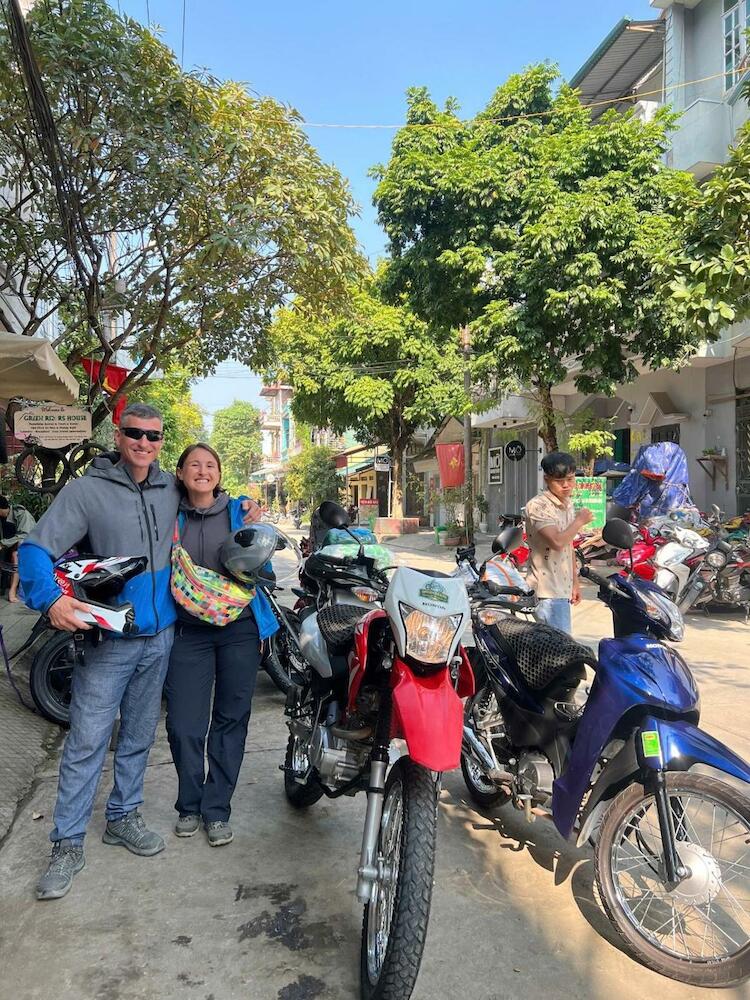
point(220, 626)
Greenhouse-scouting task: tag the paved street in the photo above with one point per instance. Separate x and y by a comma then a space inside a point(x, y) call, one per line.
point(274, 917)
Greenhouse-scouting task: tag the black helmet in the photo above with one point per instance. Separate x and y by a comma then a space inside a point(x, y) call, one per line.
point(247, 550)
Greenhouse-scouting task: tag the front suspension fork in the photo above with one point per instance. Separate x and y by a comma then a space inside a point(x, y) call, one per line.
point(368, 859)
point(674, 870)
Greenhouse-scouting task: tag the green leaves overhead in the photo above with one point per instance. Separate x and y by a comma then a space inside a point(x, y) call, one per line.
point(207, 206)
point(541, 229)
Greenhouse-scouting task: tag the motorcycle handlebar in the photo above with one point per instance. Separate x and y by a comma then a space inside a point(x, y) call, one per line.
point(601, 581)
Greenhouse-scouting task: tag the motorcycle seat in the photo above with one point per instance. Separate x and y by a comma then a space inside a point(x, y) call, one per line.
point(337, 623)
point(542, 653)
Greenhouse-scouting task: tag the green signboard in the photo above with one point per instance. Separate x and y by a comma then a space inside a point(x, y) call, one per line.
point(591, 492)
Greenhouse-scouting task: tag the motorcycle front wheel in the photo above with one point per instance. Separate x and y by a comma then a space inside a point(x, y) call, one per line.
point(699, 931)
point(395, 919)
point(284, 664)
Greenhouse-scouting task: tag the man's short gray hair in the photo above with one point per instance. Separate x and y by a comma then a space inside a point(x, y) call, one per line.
point(143, 411)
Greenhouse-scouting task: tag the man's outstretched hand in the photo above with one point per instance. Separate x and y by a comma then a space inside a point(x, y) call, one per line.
point(63, 615)
point(252, 511)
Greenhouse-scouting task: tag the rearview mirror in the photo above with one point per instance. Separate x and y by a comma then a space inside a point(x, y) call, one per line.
point(508, 539)
point(333, 515)
point(618, 533)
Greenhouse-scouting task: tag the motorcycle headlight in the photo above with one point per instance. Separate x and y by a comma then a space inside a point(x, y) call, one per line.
point(664, 611)
point(429, 639)
point(716, 559)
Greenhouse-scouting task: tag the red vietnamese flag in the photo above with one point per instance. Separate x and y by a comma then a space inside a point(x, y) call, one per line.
point(114, 376)
point(451, 464)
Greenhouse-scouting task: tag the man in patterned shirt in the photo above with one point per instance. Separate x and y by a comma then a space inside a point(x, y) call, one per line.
point(551, 526)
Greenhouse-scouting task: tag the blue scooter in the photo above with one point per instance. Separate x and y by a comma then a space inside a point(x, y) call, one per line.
point(626, 768)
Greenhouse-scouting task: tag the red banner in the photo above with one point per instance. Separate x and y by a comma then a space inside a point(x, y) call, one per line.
point(114, 376)
point(451, 464)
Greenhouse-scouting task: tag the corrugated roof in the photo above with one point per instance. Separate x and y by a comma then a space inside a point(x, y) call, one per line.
point(626, 55)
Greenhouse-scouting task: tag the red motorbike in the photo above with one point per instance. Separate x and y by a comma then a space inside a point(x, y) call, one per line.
point(379, 710)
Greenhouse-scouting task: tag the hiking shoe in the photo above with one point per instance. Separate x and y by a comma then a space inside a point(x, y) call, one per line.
point(187, 825)
point(219, 833)
point(66, 861)
point(131, 832)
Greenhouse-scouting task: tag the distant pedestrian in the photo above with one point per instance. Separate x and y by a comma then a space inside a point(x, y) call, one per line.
point(15, 523)
point(551, 525)
point(216, 649)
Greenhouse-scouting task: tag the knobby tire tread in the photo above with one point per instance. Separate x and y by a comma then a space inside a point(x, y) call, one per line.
point(299, 796)
point(414, 890)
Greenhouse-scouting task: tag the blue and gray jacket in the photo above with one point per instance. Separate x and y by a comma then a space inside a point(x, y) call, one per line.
point(118, 517)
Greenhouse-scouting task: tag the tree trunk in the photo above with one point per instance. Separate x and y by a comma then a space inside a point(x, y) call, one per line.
point(398, 447)
point(547, 428)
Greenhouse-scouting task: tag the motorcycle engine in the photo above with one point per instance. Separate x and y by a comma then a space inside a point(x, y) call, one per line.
point(335, 759)
point(535, 777)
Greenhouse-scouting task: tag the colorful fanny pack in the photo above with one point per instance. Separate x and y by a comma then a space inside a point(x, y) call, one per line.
point(203, 593)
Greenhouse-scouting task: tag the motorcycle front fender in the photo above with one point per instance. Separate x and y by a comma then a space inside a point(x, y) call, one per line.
point(428, 714)
point(675, 745)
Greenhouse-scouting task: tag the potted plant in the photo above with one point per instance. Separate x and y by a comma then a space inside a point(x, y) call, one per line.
point(452, 534)
point(483, 509)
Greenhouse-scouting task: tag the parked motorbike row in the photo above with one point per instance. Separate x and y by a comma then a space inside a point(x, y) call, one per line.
point(383, 697)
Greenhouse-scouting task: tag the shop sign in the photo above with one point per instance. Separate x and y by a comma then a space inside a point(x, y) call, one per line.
point(515, 450)
point(382, 463)
point(591, 492)
point(369, 502)
point(495, 466)
point(52, 426)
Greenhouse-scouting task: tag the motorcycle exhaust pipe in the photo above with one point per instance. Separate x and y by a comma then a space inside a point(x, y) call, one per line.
point(474, 746)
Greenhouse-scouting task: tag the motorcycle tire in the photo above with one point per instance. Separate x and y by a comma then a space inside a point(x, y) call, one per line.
point(50, 678)
point(414, 854)
point(280, 664)
point(697, 971)
point(301, 796)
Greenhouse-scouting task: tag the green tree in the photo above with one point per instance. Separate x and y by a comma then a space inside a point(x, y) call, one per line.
point(374, 369)
point(540, 229)
point(311, 476)
point(175, 213)
point(236, 436)
point(183, 419)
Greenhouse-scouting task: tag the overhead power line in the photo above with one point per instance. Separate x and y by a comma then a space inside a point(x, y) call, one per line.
point(513, 118)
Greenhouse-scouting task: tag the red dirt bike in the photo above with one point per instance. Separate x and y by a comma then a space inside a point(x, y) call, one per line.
point(379, 710)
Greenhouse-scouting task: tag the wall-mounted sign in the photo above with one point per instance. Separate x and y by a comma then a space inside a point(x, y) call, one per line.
point(52, 426)
point(495, 458)
point(382, 463)
point(515, 450)
point(591, 492)
point(369, 502)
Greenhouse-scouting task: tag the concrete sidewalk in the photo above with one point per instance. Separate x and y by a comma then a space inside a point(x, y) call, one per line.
point(273, 916)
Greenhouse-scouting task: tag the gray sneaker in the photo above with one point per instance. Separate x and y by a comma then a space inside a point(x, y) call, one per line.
point(131, 832)
point(187, 825)
point(66, 861)
point(219, 833)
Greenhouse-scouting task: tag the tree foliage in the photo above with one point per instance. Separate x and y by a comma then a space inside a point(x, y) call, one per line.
point(236, 436)
point(542, 230)
point(373, 368)
point(183, 419)
point(199, 207)
point(311, 476)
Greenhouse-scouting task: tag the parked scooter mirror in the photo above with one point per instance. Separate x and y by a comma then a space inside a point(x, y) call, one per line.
point(508, 539)
point(333, 515)
point(618, 533)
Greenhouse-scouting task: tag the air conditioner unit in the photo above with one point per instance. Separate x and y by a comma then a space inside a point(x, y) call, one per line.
point(645, 110)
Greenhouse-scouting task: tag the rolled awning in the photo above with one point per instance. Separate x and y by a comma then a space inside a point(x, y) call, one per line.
point(30, 368)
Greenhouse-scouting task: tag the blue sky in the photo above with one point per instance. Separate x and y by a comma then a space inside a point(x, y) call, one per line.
point(351, 62)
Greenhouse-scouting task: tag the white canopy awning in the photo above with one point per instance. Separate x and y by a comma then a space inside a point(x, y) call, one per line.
point(29, 368)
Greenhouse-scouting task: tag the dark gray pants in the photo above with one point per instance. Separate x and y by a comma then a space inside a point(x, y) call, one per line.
point(206, 657)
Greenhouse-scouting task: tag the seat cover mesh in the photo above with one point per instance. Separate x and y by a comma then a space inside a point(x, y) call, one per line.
point(541, 652)
point(337, 623)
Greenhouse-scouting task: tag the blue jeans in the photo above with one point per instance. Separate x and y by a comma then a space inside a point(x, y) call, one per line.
point(555, 611)
point(124, 674)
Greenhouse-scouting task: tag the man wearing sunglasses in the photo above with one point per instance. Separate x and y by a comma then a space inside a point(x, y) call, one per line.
point(123, 508)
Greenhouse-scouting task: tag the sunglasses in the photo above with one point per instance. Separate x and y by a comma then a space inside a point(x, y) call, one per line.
point(136, 433)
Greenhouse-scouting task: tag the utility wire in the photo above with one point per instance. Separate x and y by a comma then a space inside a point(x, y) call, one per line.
point(513, 118)
point(148, 15)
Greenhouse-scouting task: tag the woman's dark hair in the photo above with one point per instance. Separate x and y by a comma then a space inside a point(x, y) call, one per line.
point(184, 457)
point(558, 465)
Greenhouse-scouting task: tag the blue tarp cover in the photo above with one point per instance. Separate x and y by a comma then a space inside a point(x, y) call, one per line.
point(650, 496)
